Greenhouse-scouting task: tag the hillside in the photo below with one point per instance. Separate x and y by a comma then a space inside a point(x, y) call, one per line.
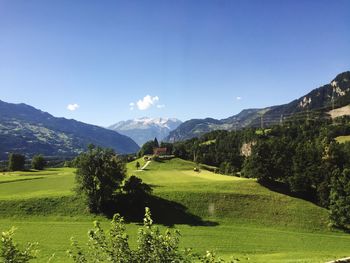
point(335, 94)
point(27, 130)
point(233, 216)
point(144, 129)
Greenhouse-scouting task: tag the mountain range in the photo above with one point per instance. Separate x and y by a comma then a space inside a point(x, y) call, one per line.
point(25, 129)
point(334, 95)
point(144, 129)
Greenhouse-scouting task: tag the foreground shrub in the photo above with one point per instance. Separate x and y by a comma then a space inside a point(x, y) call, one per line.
point(10, 251)
point(152, 246)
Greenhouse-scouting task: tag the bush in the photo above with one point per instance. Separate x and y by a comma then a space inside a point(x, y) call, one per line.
point(138, 165)
point(38, 162)
point(10, 251)
point(16, 162)
point(135, 186)
point(152, 246)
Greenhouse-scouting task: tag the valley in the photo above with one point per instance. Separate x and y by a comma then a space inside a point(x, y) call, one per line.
point(235, 217)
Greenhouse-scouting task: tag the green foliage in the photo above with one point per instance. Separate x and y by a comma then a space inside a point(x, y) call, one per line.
point(134, 186)
point(253, 222)
point(155, 142)
point(16, 162)
point(147, 148)
point(99, 175)
point(168, 146)
point(11, 252)
point(152, 245)
point(340, 198)
point(38, 162)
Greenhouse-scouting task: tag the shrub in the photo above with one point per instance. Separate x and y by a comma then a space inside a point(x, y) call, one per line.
point(16, 162)
point(135, 186)
point(38, 162)
point(10, 251)
point(152, 246)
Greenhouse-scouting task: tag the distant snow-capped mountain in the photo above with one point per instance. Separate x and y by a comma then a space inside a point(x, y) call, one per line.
point(144, 129)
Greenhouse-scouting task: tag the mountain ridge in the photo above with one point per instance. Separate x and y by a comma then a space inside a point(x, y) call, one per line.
point(146, 128)
point(329, 96)
point(28, 130)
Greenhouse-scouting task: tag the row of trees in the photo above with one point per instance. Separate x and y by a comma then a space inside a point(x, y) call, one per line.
point(17, 162)
point(301, 155)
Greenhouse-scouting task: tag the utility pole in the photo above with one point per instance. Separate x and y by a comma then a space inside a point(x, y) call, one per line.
point(262, 122)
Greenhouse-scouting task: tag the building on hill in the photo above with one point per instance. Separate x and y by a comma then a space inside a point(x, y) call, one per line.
point(160, 151)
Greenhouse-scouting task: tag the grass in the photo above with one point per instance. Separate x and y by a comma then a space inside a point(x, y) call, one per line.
point(25, 185)
point(247, 220)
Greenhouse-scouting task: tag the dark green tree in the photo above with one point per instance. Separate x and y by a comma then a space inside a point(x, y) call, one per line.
point(340, 198)
point(156, 143)
point(137, 165)
point(306, 164)
point(16, 162)
point(99, 176)
point(258, 165)
point(135, 186)
point(38, 162)
point(147, 148)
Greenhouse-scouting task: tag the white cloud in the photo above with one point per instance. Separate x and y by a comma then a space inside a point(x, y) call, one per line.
point(160, 106)
point(131, 105)
point(147, 102)
point(72, 107)
point(238, 98)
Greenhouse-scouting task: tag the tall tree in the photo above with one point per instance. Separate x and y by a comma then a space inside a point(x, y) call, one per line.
point(38, 162)
point(340, 198)
point(16, 162)
point(99, 175)
point(156, 143)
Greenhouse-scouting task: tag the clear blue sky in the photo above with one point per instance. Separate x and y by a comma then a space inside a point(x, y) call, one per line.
point(193, 57)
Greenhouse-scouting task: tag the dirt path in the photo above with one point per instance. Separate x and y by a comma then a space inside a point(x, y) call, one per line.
point(344, 260)
point(145, 166)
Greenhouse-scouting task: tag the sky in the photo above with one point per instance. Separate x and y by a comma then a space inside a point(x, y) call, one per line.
point(101, 62)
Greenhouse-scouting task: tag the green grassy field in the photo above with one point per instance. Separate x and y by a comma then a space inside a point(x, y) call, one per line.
point(230, 215)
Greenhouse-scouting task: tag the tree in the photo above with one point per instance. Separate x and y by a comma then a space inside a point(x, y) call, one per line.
point(38, 162)
point(340, 198)
point(258, 164)
point(138, 165)
point(16, 162)
point(147, 148)
point(10, 251)
point(99, 175)
point(134, 186)
point(156, 143)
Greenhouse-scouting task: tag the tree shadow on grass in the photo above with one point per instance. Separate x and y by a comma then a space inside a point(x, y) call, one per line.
point(163, 211)
point(283, 188)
